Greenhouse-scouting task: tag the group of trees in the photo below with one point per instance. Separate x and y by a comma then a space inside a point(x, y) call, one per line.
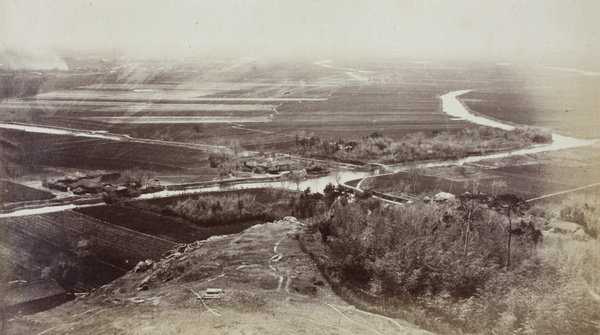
point(223, 209)
point(307, 204)
point(423, 249)
point(418, 146)
point(224, 161)
point(584, 213)
point(462, 261)
point(69, 268)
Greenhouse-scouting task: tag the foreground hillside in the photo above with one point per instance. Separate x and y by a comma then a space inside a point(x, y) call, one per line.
point(269, 287)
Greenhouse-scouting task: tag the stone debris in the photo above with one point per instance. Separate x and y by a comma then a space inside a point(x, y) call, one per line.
point(144, 265)
point(444, 196)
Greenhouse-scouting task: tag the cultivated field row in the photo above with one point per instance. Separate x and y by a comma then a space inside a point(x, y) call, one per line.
point(113, 244)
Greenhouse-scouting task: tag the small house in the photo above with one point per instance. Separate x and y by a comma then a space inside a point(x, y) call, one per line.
point(444, 196)
point(564, 227)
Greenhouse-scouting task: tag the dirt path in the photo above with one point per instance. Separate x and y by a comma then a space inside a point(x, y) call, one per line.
point(563, 192)
point(102, 135)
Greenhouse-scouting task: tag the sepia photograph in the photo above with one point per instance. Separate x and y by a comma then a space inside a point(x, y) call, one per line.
point(300, 167)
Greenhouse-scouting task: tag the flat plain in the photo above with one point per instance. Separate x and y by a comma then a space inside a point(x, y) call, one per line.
point(166, 120)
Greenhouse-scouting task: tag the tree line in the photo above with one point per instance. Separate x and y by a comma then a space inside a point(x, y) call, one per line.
point(479, 264)
point(418, 146)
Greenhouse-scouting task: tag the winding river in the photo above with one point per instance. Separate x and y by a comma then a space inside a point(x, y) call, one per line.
point(451, 105)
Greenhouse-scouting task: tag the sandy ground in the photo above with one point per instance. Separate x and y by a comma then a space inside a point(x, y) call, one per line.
point(269, 287)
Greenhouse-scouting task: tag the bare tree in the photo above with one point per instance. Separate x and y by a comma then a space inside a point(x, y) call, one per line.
point(498, 186)
point(468, 207)
point(508, 203)
point(415, 177)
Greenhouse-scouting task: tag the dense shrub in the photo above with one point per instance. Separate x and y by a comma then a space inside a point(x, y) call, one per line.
point(449, 262)
point(308, 204)
point(585, 214)
point(408, 252)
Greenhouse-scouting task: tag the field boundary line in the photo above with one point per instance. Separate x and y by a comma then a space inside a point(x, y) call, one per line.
point(563, 192)
point(127, 229)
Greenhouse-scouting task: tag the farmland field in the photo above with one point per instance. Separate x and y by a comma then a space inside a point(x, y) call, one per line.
point(161, 226)
point(89, 153)
point(99, 244)
point(563, 101)
point(523, 184)
point(528, 176)
point(304, 95)
point(13, 192)
point(32, 243)
point(263, 107)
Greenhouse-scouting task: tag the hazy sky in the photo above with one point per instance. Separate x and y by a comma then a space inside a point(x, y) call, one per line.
point(459, 28)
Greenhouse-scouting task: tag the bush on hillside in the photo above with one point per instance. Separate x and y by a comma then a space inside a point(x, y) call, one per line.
point(449, 262)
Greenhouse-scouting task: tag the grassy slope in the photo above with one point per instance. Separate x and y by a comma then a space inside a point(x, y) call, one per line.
point(271, 287)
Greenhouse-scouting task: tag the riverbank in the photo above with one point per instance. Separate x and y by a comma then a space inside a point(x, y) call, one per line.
point(452, 105)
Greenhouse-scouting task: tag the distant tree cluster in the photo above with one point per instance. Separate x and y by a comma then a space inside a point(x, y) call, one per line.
point(307, 204)
point(417, 146)
point(223, 160)
point(225, 208)
point(217, 210)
